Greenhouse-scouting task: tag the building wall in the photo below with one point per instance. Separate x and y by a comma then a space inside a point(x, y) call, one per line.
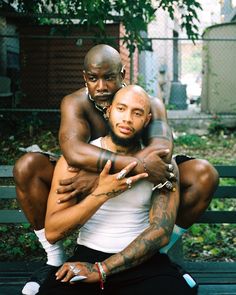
point(219, 70)
point(52, 61)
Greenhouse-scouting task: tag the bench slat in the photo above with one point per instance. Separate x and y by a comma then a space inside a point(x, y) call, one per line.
point(218, 217)
point(6, 171)
point(225, 192)
point(7, 192)
point(226, 171)
point(12, 216)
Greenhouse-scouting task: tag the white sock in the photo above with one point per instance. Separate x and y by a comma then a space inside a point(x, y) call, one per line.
point(30, 288)
point(55, 252)
point(176, 234)
point(55, 257)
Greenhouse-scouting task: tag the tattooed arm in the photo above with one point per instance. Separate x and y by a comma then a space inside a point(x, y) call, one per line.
point(77, 128)
point(62, 218)
point(162, 219)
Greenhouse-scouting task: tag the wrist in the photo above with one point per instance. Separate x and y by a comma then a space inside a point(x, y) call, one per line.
point(141, 166)
point(97, 193)
point(102, 274)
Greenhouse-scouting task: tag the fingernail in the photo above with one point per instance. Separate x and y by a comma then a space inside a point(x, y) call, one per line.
point(58, 201)
point(146, 175)
point(56, 191)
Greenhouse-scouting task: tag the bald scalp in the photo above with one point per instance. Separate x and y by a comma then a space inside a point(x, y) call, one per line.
point(101, 54)
point(137, 90)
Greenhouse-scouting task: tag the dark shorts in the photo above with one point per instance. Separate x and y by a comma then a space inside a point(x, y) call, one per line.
point(157, 275)
point(179, 159)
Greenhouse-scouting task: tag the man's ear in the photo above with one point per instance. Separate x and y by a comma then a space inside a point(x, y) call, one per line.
point(122, 72)
point(149, 116)
point(84, 76)
point(108, 111)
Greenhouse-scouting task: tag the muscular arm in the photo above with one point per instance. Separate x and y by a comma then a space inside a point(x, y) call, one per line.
point(75, 133)
point(162, 219)
point(62, 218)
point(158, 134)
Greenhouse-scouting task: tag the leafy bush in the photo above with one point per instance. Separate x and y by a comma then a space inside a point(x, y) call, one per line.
point(191, 140)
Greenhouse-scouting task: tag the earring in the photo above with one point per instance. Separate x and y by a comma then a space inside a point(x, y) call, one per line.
point(86, 86)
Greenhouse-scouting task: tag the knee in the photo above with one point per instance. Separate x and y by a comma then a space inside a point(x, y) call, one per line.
point(207, 176)
point(26, 167)
point(199, 180)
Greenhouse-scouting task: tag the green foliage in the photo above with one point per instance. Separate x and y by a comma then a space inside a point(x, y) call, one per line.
point(135, 15)
point(216, 126)
point(192, 140)
point(213, 242)
point(147, 86)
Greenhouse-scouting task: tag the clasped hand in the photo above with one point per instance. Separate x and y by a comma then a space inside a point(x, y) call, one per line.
point(158, 169)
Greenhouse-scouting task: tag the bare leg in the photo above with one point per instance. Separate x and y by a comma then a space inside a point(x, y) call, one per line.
point(198, 181)
point(33, 175)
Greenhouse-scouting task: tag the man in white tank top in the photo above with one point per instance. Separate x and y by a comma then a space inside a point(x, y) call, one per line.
point(123, 223)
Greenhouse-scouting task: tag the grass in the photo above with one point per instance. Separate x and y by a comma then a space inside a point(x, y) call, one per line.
point(202, 242)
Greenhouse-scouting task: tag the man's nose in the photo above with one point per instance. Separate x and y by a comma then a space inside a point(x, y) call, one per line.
point(102, 85)
point(127, 117)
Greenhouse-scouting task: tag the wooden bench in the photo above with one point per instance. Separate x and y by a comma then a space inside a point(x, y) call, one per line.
point(213, 277)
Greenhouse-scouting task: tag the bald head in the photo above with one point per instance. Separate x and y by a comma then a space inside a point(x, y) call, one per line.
point(138, 93)
point(102, 54)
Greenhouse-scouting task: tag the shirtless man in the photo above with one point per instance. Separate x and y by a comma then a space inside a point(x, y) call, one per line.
point(133, 223)
point(83, 119)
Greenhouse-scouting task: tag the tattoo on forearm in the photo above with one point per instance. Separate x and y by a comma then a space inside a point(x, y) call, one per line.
point(113, 161)
point(110, 194)
point(104, 156)
point(159, 129)
point(149, 241)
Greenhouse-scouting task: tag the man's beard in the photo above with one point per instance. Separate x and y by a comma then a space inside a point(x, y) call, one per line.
point(132, 141)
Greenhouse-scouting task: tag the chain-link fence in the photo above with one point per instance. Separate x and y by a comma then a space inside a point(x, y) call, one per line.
point(45, 63)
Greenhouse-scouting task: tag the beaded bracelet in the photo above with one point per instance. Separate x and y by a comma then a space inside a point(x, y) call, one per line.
point(102, 274)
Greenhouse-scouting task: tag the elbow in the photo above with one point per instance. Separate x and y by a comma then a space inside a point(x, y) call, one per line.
point(163, 236)
point(165, 240)
point(51, 236)
point(73, 159)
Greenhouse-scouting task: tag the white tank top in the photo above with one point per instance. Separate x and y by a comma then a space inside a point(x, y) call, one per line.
point(118, 221)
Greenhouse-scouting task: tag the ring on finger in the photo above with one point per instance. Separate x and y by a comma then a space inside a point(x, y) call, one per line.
point(74, 269)
point(168, 185)
point(121, 174)
point(159, 186)
point(129, 182)
point(170, 167)
point(172, 175)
